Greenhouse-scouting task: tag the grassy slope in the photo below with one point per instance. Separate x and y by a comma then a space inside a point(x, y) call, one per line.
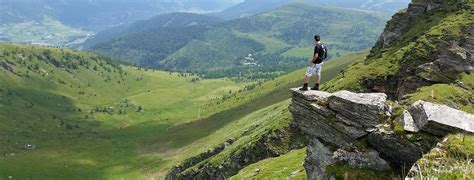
point(256, 124)
point(288, 165)
point(113, 145)
point(40, 110)
point(453, 160)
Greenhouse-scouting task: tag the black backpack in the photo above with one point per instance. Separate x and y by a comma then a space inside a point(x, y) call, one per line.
point(322, 55)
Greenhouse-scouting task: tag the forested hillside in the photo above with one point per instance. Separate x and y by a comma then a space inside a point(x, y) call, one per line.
point(158, 23)
point(278, 41)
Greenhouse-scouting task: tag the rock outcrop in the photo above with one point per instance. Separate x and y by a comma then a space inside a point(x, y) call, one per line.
point(270, 144)
point(401, 22)
point(9, 67)
point(437, 119)
point(427, 47)
point(352, 129)
point(435, 59)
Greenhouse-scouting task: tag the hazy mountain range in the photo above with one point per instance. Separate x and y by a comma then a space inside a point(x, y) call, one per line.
point(100, 14)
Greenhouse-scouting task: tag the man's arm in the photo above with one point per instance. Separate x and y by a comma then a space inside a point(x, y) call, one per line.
point(316, 54)
point(315, 57)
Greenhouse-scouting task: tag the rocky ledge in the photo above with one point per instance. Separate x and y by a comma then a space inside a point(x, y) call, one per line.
point(354, 130)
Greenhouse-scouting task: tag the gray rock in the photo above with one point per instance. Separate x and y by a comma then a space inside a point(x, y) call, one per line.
point(7, 66)
point(310, 95)
point(318, 156)
point(367, 159)
point(347, 121)
point(230, 140)
point(363, 108)
point(30, 147)
point(397, 150)
point(293, 174)
point(353, 132)
point(9, 154)
point(320, 122)
point(319, 128)
point(440, 119)
point(453, 60)
point(408, 123)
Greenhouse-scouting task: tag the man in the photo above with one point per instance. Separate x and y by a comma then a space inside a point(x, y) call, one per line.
point(320, 53)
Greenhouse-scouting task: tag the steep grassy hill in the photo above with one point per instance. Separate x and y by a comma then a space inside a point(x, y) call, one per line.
point(89, 117)
point(285, 166)
point(220, 50)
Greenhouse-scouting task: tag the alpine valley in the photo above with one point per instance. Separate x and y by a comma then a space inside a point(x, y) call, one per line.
point(181, 89)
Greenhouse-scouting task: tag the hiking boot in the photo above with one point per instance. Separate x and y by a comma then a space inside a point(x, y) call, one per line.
point(315, 88)
point(304, 88)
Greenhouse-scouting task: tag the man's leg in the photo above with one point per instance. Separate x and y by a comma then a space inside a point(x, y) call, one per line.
point(306, 79)
point(318, 77)
point(308, 74)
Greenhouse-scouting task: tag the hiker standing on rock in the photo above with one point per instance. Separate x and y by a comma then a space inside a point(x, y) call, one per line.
point(320, 53)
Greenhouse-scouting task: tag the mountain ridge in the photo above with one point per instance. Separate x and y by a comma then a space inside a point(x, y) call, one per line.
point(254, 7)
point(226, 44)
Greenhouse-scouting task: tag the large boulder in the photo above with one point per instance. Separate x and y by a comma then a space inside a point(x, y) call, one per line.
point(365, 109)
point(311, 114)
point(317, 125)
point(408, 122)
point(437, 119)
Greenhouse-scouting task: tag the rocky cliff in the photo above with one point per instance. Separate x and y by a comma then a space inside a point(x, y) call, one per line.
point(429, 43)
point(411, 115)
point(357, 132)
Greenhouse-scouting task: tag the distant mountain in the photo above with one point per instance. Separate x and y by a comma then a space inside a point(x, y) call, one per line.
point(100, 14)
point(249, 8)
point(252, 7)
point(279, 41)
point(172, 20)
point(387, 6)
